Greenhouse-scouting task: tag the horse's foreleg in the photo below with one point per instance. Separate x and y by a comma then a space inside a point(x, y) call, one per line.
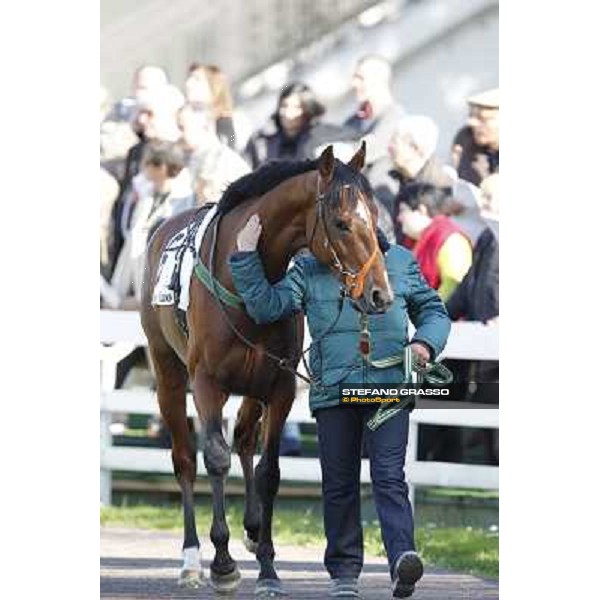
point(209, 400)
point(267, 477)
point(245, 436)
point(171, 382)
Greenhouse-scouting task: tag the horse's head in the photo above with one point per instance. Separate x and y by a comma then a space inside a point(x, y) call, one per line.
point(344, 232)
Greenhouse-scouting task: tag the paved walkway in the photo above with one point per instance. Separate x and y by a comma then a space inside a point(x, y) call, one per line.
point(141, 564)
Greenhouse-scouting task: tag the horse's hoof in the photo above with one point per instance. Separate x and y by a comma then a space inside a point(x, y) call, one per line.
point(226, 583)
point(190, 579)
point(250, 544)
point(268, 588)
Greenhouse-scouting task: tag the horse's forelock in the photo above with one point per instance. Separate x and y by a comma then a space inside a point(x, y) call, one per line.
point(356, 183)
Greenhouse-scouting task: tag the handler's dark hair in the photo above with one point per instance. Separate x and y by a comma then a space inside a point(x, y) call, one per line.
point(158, 153)
point(311, 107)
point(437, 200)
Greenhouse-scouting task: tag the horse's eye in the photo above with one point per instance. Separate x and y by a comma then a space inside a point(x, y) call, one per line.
point(342, 225)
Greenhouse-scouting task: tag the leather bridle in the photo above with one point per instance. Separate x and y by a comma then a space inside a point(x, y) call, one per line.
point(353, 281)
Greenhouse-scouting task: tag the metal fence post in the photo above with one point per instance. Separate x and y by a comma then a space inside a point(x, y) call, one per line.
point(107, 383)
point(105, 474)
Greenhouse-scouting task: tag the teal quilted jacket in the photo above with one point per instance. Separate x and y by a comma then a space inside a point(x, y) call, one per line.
point(310, 287)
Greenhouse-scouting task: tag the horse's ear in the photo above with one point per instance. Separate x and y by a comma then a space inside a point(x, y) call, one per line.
point(326, 164)
point(357, 162)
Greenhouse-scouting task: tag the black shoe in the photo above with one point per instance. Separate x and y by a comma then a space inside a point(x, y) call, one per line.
point(407, 571)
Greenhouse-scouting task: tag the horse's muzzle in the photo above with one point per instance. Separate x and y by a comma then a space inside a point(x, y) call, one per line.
point(375, 301)
point(380, 299)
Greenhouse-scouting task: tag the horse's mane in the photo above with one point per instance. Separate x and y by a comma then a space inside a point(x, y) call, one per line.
point(261, 181)
point(271, 174)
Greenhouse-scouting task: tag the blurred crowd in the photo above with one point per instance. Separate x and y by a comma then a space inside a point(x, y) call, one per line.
point(164, 150)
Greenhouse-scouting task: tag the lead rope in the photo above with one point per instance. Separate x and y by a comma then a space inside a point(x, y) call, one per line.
point(385, 411)
point(415, 372)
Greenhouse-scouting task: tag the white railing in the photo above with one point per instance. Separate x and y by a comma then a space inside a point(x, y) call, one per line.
point(122, 329)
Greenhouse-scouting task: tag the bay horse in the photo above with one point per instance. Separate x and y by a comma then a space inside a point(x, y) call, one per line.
point(323, 205)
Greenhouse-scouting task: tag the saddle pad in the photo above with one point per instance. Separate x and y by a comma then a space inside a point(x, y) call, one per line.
point(180, 250)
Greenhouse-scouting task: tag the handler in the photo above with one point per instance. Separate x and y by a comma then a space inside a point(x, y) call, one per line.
point(310, 287)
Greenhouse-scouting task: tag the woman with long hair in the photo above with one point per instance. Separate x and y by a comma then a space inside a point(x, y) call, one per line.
point(206, 87)
point(294, 131)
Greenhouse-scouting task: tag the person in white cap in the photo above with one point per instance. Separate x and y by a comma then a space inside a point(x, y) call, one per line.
point(476, 147)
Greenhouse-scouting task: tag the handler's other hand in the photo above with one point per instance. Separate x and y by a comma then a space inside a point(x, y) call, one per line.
point(247, 238)
point(421, 351)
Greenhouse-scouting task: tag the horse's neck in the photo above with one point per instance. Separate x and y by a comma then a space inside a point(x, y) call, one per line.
point(284, 213)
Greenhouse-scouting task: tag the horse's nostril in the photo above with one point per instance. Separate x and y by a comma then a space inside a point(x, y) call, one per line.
point(378, 299)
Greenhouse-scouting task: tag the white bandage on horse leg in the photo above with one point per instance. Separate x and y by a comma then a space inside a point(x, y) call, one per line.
point(192, 560)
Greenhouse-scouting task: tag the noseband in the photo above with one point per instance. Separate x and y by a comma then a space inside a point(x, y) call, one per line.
point(354, 282)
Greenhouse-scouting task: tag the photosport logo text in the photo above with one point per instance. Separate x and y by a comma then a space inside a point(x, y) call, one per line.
point(365, 395)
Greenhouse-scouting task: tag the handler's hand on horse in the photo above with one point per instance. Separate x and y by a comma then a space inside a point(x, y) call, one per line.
point(247, 238)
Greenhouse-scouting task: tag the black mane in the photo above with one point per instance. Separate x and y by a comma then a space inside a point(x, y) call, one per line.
point(261, 181)
point(271, 174)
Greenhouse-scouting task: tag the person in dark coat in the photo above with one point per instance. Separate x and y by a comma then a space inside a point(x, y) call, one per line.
point(477, 296)
point(295, 130)
point(476, 147)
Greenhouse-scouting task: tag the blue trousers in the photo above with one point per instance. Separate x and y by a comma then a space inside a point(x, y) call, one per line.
point(341, 430)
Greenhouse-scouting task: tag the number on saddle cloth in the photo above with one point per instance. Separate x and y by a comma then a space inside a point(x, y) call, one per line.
point(168, 287)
